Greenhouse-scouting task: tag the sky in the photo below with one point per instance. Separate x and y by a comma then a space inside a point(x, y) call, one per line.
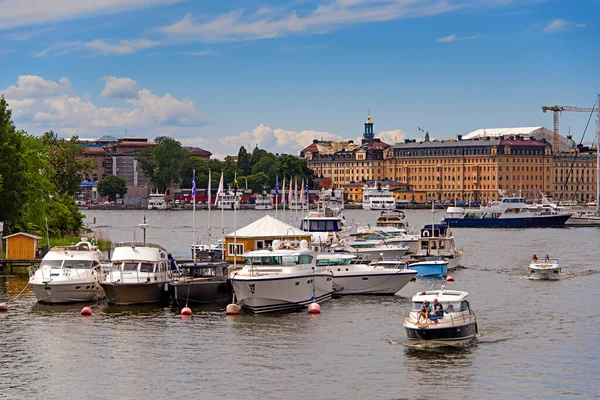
point(278, 74)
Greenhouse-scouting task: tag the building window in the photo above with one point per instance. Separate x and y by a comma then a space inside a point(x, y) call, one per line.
point(233, 248)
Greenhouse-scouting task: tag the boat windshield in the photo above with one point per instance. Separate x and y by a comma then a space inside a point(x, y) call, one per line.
point(449, 306)
point(334, 261)
point(81, 264)
point(51, 263)
point(280, 260)
point(308, 225)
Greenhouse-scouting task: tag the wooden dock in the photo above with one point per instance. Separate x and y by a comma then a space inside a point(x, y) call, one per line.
point(17, 266)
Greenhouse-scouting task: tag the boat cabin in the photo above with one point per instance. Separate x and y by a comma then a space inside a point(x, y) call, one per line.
point(318, 222)
point(451, 300)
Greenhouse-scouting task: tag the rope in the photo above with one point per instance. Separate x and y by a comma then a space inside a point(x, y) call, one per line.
point(17, 296)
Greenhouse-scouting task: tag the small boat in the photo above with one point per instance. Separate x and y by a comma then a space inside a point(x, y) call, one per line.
point(140, 273)
point(429, 267)
point(208, 253)
point(201, 283)
point(324, 226)
point(547, 269)
point(281, 278)
point(394, 219)
point(69, 274)
point(359, 278)
point(455, 323)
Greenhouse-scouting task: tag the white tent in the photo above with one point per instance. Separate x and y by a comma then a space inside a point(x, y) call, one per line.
point(268, 227)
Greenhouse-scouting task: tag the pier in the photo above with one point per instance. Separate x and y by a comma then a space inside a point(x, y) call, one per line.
point(17, 266)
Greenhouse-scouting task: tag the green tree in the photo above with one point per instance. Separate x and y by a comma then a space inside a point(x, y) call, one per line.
point(111, 186)
point(243, 161)
point(67, 161)
point(163, 163)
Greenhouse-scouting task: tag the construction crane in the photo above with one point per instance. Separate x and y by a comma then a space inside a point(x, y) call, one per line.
point(558, 109)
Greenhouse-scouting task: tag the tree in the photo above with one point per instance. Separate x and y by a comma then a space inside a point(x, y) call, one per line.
point(243, 161)
point(111, 186)
point(69, 166)
point(164, 162)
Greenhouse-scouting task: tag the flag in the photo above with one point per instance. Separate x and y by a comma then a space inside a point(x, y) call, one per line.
point(302, 192)
point(220, 189)
point(306, 191)
point(235, 186)
point(209, 189)
point(283, 192)
point(296, 189)
point(277, 186)
point(194, 186)
point(290, 193)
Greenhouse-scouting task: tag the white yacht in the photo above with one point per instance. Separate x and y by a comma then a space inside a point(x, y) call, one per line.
point(228, 200)
point(371, 249)
point(456, 322)
point(394, 219)
point(549, 268)
point(390, 235)
point(139, 274)
point(377, 197)
point(324, 226)
point(264, 202)
point(156, 201)
point(353, 278)
point(69, 274)
point(281, 279)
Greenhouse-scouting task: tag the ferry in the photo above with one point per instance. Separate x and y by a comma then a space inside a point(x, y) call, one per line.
point(156, 201)
point(264, 202)
point(229, 200)
point(508, 212)
point(377, 197)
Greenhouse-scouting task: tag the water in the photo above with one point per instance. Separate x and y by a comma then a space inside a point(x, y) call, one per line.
point(538, 338)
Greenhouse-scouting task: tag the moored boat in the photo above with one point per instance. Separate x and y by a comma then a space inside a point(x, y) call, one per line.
point(455, 322)
point(392, 218)
point(201, 283)
point(69, 274)
point(437, 240)
point(139, 274)
point(358, 278)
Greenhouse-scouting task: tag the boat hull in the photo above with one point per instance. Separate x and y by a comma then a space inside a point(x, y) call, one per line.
point(430, 270)
point(447, 333)
point(541, 221)
point(389, 253)
point(200, 292)
point(548, 273)
point(281, 293)
point(263, 207)
point(54, 293)
point(135, 293)
point(372, 284)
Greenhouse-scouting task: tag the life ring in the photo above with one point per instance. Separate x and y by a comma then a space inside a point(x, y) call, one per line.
point(489, 204)
point(535, 214)
point(425, 233)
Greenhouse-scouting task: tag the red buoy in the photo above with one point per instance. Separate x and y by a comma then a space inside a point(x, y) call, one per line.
point(314, 308)
point(232, 309)
point(86, 311)
point(186, 311)
point(450, 278)
point(3, 307)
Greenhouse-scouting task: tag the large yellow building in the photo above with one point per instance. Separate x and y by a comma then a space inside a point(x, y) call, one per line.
point(575, 176)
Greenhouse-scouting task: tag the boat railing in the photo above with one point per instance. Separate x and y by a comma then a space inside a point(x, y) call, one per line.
point(546, 262)
point(140, 244)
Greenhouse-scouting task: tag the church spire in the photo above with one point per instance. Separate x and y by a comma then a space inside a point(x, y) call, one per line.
point(369, 126)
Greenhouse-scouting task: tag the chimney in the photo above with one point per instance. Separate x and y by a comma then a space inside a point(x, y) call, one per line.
point(315, 141)
point(459, 137)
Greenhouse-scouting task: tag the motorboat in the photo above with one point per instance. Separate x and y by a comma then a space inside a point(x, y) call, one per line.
point(203, 282)
point(264, 202)
point(370, 249)
point(378, 197)
point(324, 226)
point(508, 212)
point(69, 274)
point(549, 268)
point(437, 240)
point(455, 323)
point(204, 252)
point(358, 278)
point(139, 273)
point(392, 218)
point(157, 201)
point(429, 267)
point(283, 277)
point(390, 235)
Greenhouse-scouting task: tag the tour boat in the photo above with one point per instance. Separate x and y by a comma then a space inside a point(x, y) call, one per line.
point(352, 278)
point(458, 321)
point(264, 202)
point(508, 212)
point(437, 241)
point(547, 269)
point(228, 200)
point(377, 197)
point(395, 219)
point(283, 277)
point(156, 201)
point(201, 283)
point(69, 274)
point(139, 274)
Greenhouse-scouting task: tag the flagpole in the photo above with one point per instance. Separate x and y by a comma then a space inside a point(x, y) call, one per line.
point(296, 198)
point(290, 201)
point(194, 213)
point(276, 193)
point(222, 191)
point(235, 206)
point(209, 220)
point(283, 198)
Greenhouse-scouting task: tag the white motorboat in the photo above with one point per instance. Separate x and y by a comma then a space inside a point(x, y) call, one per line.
point(69, 274)
point(352, 278)
point(324, 226)
point(264, 202)
point(371, 249)
point(139, 274)
point(281, 278)
point(549, 268)
point(156, 201)
point(390, 235)
point(456, 322)
point(378, 197)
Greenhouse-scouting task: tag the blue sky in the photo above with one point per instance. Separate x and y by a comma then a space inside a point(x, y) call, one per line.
point(220, 74)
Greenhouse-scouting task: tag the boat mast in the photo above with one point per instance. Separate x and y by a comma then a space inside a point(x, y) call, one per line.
point(193, 214)
point(235, 189)
point(598, 158)
point(209, 220)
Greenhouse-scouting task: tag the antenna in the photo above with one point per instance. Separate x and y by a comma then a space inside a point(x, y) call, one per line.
point(368, 111)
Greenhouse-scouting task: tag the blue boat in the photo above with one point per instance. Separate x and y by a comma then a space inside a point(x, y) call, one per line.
point(430, 267)
point(508, 212)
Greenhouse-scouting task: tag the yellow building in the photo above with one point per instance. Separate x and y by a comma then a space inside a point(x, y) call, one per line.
point(21, 246)
point(260, 235)
point(575, 176)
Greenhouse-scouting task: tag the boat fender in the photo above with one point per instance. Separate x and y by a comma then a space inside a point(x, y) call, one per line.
point(489, 204)
point(535, 214)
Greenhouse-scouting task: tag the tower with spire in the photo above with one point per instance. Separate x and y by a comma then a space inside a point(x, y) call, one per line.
point(369, 135)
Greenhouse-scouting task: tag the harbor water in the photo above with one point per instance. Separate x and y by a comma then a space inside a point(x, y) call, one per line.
point(538, 339)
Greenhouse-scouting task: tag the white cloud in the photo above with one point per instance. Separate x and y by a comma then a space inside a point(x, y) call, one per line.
point(39, 105)
point(18, 13)
point(33, 86)
point(453, 38)
point(195, 53)
point(560, 25)
point(299, 140)
point(26, 35)
point(119, 88)
point(100, 46)
point(394, 136)
point(268, 23)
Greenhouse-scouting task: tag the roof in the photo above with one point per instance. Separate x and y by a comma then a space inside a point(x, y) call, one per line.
point(523, 143)
point(500, 132)
point(448, 143)
point(198, 152)
point(108, 138)
point(23, 234)
point(268, 227)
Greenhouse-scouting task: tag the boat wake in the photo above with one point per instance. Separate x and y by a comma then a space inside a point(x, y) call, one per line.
point(434, 345)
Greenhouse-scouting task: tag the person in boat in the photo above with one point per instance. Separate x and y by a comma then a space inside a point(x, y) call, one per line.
point(547, 258)
point(438, 311)
point(534, 259)
point(425, 311)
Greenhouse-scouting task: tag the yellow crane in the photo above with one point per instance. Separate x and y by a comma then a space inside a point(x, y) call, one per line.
point(557, 110)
